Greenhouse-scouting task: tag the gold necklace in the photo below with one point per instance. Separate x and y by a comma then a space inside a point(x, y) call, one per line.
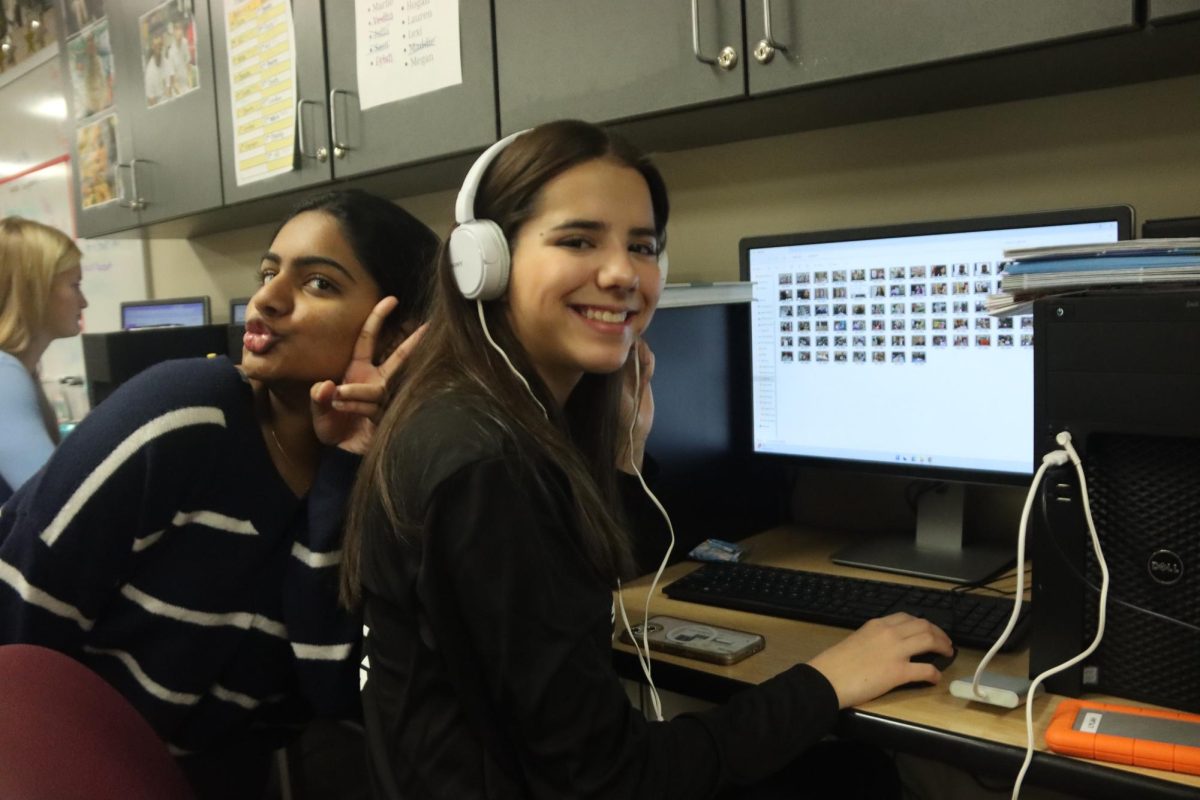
point(278, 444)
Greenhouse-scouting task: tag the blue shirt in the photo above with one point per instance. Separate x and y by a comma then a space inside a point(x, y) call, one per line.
point(24, 443)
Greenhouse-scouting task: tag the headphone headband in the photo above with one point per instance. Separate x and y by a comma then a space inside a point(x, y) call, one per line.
point(464, 207)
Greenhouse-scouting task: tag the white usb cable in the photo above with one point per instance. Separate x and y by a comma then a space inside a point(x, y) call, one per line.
point(1055, 458)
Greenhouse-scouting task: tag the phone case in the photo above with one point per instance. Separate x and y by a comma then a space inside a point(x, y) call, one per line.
point(690, 639)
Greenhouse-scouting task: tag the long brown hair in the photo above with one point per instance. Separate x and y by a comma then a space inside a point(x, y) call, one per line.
point(454, 356)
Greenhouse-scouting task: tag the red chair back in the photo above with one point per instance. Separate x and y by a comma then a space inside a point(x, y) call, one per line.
point(66, 733)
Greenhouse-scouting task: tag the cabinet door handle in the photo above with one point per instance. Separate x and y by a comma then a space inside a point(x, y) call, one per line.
point(765, 50)
point(121, 198)
point(137, 203)
point(339, 147)
point(726, 59)
point(321, 154)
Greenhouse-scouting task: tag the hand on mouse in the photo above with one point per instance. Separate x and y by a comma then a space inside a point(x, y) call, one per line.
point(876, 657)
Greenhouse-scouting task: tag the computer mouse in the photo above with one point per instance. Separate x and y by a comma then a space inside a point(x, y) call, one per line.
point(939, 660)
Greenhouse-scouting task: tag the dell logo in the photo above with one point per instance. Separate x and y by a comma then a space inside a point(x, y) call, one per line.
point(1165, 567)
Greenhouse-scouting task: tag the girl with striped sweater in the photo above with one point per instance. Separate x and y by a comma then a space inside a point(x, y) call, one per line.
point(183, 542)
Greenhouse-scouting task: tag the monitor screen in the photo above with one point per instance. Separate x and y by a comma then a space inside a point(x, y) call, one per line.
point(237, 310)
point(166, 313)
point(873, 347)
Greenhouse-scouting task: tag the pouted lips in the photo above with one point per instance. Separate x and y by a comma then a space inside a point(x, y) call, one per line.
point(258, 338)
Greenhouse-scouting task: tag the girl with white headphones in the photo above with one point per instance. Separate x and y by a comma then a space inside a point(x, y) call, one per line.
point(488, 528)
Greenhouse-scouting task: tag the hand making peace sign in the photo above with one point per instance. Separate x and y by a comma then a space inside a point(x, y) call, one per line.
point(345, 414)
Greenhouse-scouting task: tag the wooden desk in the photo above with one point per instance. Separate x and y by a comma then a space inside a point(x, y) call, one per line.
point(928, 722)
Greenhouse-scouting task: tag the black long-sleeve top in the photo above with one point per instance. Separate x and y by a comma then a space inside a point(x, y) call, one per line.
point(489, 651)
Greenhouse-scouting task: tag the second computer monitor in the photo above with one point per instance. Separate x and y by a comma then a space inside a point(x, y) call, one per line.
point(872, 348)
point(165, 313)
point(237, 310)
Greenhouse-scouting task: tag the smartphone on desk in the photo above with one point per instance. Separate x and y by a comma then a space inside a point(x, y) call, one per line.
point(681, 637)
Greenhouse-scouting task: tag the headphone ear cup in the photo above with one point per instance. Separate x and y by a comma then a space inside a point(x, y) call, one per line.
point(479, 256)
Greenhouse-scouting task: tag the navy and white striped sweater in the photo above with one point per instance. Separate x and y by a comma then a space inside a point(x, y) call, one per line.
point(160, 547)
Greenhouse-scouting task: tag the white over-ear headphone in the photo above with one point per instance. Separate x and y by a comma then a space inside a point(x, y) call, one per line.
point(478, 250)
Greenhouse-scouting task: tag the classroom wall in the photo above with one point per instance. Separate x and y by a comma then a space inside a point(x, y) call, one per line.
point(1135, 144)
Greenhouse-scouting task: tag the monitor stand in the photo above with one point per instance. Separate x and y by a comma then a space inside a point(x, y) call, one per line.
point(938, 551)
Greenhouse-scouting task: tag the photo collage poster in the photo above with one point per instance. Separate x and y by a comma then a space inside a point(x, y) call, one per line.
point(895, 315)
point(90, 63)
point(167, 37)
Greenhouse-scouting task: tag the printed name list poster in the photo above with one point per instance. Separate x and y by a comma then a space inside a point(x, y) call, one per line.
point(262, 80)
point(405, 48)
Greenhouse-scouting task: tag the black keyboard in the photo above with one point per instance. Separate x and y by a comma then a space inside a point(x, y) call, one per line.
point(971, 620)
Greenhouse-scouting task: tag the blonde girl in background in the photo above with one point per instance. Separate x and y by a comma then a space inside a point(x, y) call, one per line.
point(40, 301)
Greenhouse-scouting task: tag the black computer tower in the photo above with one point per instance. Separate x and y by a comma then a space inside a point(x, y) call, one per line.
point(1121, 374)
point(110, 359)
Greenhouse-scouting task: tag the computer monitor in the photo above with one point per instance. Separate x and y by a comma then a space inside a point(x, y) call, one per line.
point(872, 349)
point(704, 473)
point(237, 310)
point(175, 312)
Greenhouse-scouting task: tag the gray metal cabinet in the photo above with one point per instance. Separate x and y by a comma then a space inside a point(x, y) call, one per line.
point(817, 41)
point(95, 138)
point(172, 161)
point(448, 121)
point(614, 60)
point(313, 161)
point(1168, 10)
point(625, 59)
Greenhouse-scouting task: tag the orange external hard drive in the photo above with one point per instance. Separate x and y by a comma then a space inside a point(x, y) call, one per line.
point(1141, 737)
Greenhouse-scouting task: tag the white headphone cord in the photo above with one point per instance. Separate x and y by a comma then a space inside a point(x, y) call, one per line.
point(488, 335)
point(643, 656)
point(1055, 458)
point(643, 651)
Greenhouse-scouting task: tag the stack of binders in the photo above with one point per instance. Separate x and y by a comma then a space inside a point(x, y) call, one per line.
point(1037, 272)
